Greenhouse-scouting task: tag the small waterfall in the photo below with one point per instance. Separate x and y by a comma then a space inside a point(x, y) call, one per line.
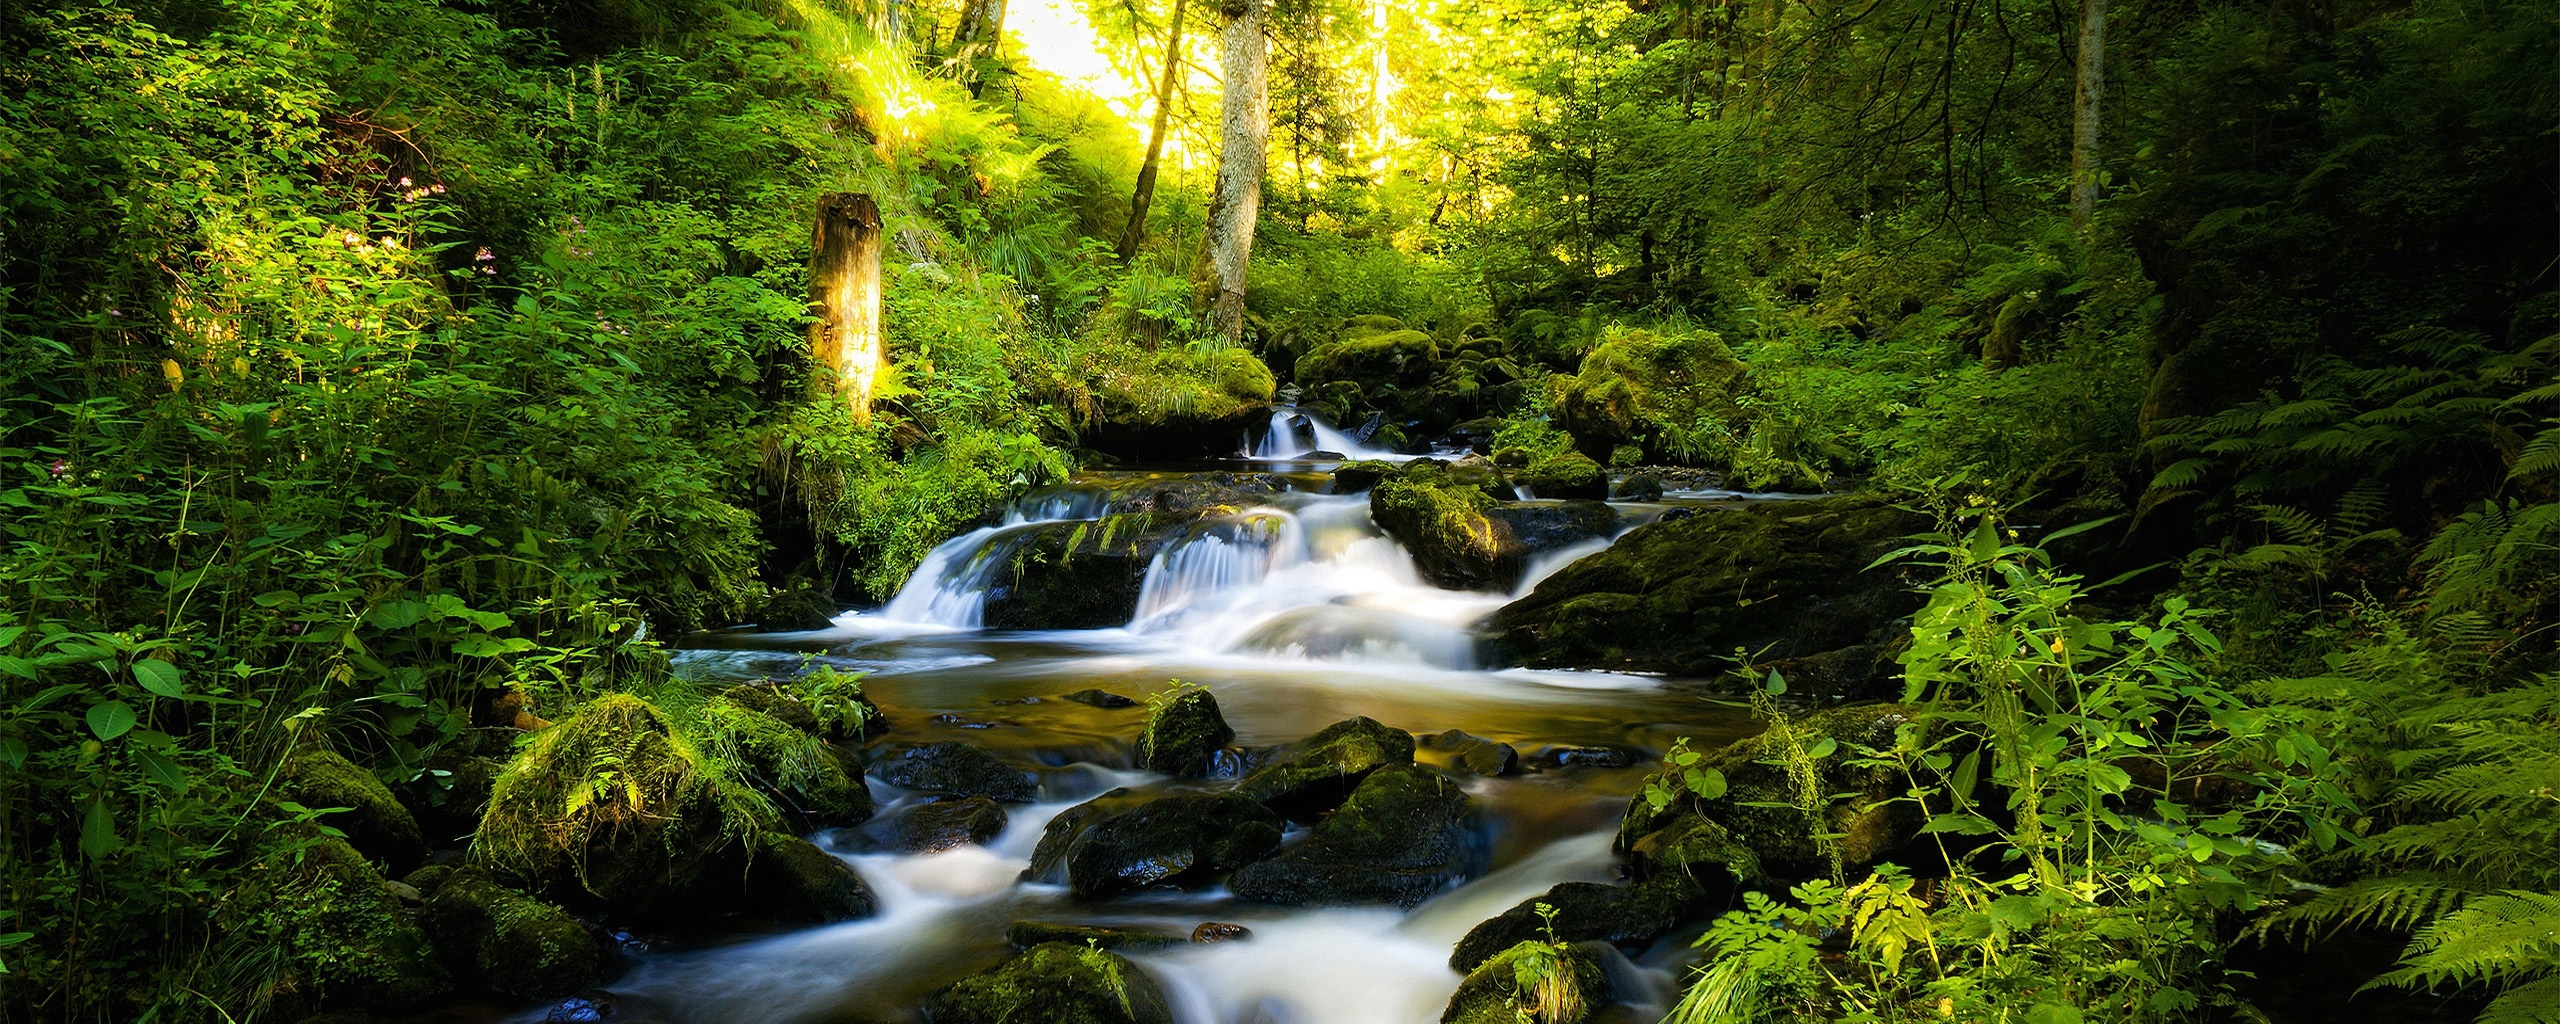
point(1222, 556)
point(1296, 434)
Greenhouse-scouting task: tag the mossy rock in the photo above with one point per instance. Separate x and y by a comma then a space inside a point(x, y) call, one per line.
point(1183, 735)
point(791, 879)
point(1461, 538)
point(1640, 487)
point(375, 822)
point(1565, 475)
point(784, 707)
point(1312, 776)
point(1865, 806)
point(1355, 477)
point(1026, 934)
point(505, 941)
point(1627, 916)
point(1690, 845)
point(339, 935)
point(1783, 579)
point(955, 769)
point(610, 807)
point(1404, 835)
point(1492, 994)
point(1054, 983)
point(808, 778)
point(1126, 840)
point(1073, 575)
point(1638, 385)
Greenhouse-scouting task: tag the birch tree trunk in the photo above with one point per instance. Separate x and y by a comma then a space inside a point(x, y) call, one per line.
point(980, 34)
point(1145, 194)
point(844, 294)
point(1245, 124)
point(2089, 88)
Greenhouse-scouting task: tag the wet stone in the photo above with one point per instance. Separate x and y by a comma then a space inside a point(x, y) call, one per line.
point(1405, 834)
point(1549, 758)
point(1026, 934)
point(1314, 775)
point(928, 828)
point(1214, 931)
point(1469, 753)
point(1099, 699)
point(1623, 915)
point(955, 769)
point(1126, 840)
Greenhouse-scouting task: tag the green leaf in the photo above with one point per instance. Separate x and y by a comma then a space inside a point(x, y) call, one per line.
point(18, 667)
point(1776, 684)
point(111, 719)
point(98, 836)
point(159, 677)
point(2053, 1013)
point(13, 752)
point(1708, 783)
point(1823, 749)
point(397, 614)
point(161, 768)
point(1985, 544)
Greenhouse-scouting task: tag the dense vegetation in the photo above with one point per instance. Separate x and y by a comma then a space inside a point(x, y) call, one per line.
point(385, 379)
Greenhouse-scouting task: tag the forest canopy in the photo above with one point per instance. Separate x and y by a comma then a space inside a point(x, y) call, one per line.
point(385, 381)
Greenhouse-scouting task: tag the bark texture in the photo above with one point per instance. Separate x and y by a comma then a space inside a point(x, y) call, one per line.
point(844, 294)
point(1245, 125)
point(2086, 93)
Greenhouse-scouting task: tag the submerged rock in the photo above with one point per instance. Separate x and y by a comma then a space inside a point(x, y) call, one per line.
point(1183, 734)
point(952, 768)
point(929, 828)
point(1493, 994)
point(1863, 804)
point(1316, 774)
point(1405, 834)
point(1622, 915)
point(1783, 579)
point(505, 941)
point(1099, 699)
point(1474, 755)
point(1217, 931)
point(374, 822)
point(1026, 934)
point(1126, 840)
point(1054, 983)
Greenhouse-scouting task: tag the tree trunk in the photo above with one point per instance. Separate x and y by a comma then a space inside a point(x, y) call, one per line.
point(844, 294)
point(980, 34)
point(1145, 194)
point(1245, 124)
point(2085, 94)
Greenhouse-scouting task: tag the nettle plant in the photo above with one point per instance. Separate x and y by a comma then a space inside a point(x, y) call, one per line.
point(2096, 803)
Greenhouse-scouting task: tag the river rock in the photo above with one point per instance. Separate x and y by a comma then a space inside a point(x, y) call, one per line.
point(955, 769)
point(1462, 537)
point(1690, 845)
point(1635, 382)
point(1472, 754)
point(791, 879)
point(508, 942)
point(1404, 834)
point(1864, 805)
point(1622, 915)
point(1219, 931)
point(1026, 934)
point(1126, 840)
point(1554, 757)
point(1054, 983)
point(1539, 527)
point(1099, 699)
point(1355, 477)
point(374, 822)
point(1492, 993)
point(928, 828)
point(1314, 775)
point(1183, 735)
point(1783, 579)
point(790, 710)
point(816, 783)
point(1565, 475)
point(1072, 575)
point(1640, 487)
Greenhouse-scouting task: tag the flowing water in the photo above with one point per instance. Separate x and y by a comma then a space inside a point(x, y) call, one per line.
point(1296, 613)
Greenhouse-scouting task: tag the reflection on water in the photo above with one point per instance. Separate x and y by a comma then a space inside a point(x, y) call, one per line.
point(1296, 613)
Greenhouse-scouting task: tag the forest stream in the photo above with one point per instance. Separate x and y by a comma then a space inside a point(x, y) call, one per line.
point(1294, 614)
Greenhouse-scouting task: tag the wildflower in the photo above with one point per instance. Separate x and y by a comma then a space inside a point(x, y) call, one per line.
point(483, 256)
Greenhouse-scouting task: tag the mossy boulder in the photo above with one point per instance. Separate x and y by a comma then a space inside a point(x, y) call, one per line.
point(1492, 993)
point(1627, 916)
point(1461, 537)
point(1303, 780)
point(1471, 754)
point(1782, 579)
point(1355, 477)
point(815, 784)
point(1564, 475)
point(1026, 934)
point(955, 769)
point(1183, 735)
point(502, 940)
point(374, 822)
point(791, 879)
point(1690, 845)
point(926, 828)
point(340, 935)
point(1637, 387)
point(1126, 840)
point(1054, 983)
point(862, 720)
point(611, 807)
point(1405, 834)
point(1072, 575)
point(1640, 487)
point(1862, 804)
point(1379, 356)
point(1172, 402)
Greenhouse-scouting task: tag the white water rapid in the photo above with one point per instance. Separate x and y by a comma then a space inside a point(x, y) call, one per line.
point(1296, 612)
point(1295, 435)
